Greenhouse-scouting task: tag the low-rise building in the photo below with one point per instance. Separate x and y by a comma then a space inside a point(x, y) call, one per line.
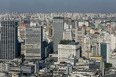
point(66, 50)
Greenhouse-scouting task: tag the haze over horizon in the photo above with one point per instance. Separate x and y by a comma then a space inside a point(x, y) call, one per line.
point(48, 6)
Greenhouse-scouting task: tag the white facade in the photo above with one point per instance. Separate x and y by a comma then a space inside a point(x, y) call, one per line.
point(32, 24)
point(66, 26)
point(4, 67)
point(113, 42)
point(67, 35)
point(83, 23)
point(108, 52)
point(65, 51)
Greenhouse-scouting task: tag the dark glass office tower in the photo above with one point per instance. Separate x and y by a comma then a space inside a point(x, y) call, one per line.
point(105, 51)
point(9, 41)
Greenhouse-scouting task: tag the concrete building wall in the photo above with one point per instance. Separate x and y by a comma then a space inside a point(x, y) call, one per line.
point(113, 42)
point(65, 51)
point(4, 67)
point(34, 44)
point(58, 24)
point(67, 35)
point(83, 23)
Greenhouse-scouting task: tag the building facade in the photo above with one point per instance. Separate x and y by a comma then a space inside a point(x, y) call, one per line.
point(33, 43)
point(105, 51)
point(21, 36)
point(58, 24)
point(67, 35)
point(9, 41)
point(65, 51)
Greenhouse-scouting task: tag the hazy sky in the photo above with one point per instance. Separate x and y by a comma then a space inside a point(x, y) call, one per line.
point(46, 6)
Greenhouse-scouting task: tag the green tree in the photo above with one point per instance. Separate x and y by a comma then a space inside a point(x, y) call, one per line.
point(22, 56)
point(65, 41)
point(108, 65)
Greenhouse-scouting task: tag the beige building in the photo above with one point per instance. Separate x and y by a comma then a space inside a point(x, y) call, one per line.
point(65, 51)
point(67, 35)
point(113, 41)
point(21, 36)
point(49, 28)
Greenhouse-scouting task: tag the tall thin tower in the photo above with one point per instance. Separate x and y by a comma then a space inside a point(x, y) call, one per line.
point(58, 24)
point(9, 41)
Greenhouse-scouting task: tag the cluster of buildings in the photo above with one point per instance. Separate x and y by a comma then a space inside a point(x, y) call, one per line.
point(57, 45)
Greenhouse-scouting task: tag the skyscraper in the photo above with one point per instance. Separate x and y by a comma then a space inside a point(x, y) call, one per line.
point(9, 41)
point(105, 51)
point(79, 37)
point(33, 42)
point(58, 24)
point(21, 36)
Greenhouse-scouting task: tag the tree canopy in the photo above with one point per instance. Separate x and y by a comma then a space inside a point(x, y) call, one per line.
point(65, 41)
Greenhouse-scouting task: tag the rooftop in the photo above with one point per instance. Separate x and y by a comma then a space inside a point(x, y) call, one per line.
point(58, 18)
point(68, 42)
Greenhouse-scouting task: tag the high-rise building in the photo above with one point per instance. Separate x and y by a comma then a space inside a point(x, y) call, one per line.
point(9, 41)
point(67, 23)
point(33, 42)
point(113, 41)
point(21, 36)
point(79, 37)
point(49, 29)
point(58, 24)
point(105, 51)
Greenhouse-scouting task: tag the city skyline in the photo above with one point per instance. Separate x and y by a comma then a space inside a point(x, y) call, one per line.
point(43, 6)
point(57, 38)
